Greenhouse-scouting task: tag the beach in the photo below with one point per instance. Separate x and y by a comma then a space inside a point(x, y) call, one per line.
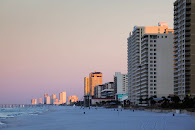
point(73, 118)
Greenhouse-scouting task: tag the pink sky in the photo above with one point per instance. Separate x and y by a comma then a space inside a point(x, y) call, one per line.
point(50, 46)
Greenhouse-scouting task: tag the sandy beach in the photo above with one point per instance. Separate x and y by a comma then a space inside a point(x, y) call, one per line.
point(70, 118)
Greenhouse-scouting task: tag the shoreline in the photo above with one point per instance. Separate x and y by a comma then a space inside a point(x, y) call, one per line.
point(7, 121)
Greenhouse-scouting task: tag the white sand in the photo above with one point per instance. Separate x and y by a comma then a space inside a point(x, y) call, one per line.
point(69, 118)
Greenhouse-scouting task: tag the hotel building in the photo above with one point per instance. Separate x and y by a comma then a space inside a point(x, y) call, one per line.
point(120, 85)
point(144, 61)
point(53, 98)
point(97, 91)
point(184, 48)
point(62, 96)
point(104, 91)
point(95, 78)
point(45, 98)
point(156, 70)
point(34, 101)
point(86, 86)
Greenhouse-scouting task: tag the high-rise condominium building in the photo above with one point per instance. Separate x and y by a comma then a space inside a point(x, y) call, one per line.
point(34, 101)
point(53, 98)
point(55, 101)
point(184, 48)
point(62, 98)
point(136, 59)
point(45, 98)
point(86, 86)
point(120, 83)
point(156, 70)
point(95, 78)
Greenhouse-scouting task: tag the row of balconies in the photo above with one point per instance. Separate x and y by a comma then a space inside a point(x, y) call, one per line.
point(137, 88)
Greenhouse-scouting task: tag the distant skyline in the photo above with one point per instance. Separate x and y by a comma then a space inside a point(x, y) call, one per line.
point(50, 46)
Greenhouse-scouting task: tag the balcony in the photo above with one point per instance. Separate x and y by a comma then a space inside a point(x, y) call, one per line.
point(176, 49)
point(143, 79)
point(176, 36)
point(145, 82)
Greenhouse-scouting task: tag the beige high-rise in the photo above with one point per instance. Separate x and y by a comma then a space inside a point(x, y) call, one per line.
point(62, 98)
point(53, 98)
point(86, 86)
point(95, 78)
point(184, 48)
point(139, 61)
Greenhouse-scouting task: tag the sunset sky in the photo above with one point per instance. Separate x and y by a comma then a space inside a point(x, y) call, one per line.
point(49, 46)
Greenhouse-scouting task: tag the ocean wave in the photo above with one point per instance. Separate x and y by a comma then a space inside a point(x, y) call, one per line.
point(15, 112)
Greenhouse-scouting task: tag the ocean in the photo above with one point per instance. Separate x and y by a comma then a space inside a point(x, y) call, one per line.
point(12, 112)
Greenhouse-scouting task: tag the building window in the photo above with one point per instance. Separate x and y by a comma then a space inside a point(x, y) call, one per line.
point(154, 92)
point(151, 57)
point(151, 68)
point(154, 61)
point(151, 72)
point(154, 49)
point(151, 53)
point(151, 65)
point(154, 40)
point(165, 36)
point(154, 57)
point(154, 53)
point(151, 61)
point(155, 88)
point(154, 45)
point(151, 88)
point(151, 45)
point(151, 76)
point(151, 80)
point(154, 84)
point(151, 92)
point(151, 84)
